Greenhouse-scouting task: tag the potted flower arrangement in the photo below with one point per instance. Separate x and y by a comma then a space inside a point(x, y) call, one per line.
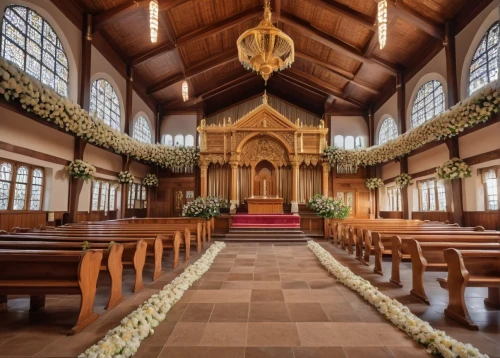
point(403, 180)
point(454, 168)
point(328, 208)
point(151, 180)
point(80, 169)
point(204, 207)
point(374, 183)
point(125, 177)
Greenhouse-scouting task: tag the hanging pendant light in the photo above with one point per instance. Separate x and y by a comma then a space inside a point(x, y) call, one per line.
point(153, 20)
point(185, 91)
point(382, 23)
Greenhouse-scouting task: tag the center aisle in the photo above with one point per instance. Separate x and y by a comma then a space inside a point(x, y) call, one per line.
point(264, 300)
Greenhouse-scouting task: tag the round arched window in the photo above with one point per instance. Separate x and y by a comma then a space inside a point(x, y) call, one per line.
point(104, 102)
point(484, 65)
point(142, 130)
point(388, 131)
point(428, 103)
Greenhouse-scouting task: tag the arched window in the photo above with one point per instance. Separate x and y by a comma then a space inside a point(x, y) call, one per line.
point(484, 66)
point(179, 140)
point(32, 44)
point(359, 142)
point(388, 131)
point(20, 189)
point(189, 141)
point(428, 103)
point(142, 130)
point(104, 102)
point(5, 180)
point(349, 142)
point(167, 140)
point(338, 141)
point(36, 189)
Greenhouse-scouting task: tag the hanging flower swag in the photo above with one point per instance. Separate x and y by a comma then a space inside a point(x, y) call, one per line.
point(374, 183)
point(403, 180)
point(125, 177)
point(454, 168)
point(45, 103)
point(124, 340)
point(437, 342)
point(474, 110)
point(80, 169)
point(151, 180)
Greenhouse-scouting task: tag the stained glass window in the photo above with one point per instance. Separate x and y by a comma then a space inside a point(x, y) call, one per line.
point(95, 195)
point(491, 189)
point(189, 141)
point(112, 198)
point(441, 191)
point(179, 140)
point(424, 197)
point(5, 182)
point(349, 142)
point(104, 197)
point(168, 140)
point(104, 103)
point(388, 131)
point(394, 196)
point(338, 141)
point(36, 189)
point(484, 66)
point(432, 194)
point(20, 188)
point(429, 102)
point(359, 142)
point(137, 196)
point(131, 196)
point(32, 44)
point(142, 130)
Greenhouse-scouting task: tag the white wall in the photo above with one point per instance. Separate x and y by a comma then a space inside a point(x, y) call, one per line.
point(349, 126)
point(178, 124)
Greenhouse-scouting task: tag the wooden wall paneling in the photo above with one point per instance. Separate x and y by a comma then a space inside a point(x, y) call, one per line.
point(391, 214)
point(441, 216)
point(490, 220)
point(404, 191)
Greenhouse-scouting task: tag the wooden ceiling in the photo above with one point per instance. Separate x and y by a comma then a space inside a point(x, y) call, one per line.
point(339, 67)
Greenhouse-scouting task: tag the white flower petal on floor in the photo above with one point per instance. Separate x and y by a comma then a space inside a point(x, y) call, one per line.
point(437, 342)
point(124, 340)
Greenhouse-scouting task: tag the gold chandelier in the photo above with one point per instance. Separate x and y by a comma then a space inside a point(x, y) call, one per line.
point(265, 48)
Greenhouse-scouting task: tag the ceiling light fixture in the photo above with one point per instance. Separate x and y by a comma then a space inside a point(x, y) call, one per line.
point(153, 20)
point(185, 91)
point(382, 23)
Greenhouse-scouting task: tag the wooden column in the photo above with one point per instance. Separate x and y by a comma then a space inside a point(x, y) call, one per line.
point(378, 174)
point(159, 117)
point(371, 126)
point(76, 184)
point(324, 182)
point(234, 188)
point(84, 97)
point(203, 177)
point(295, 187)
point(129, 126)
point(124, 188)
point(400, 89)
point(404, 191)
point(452, 144)
point(252, 180)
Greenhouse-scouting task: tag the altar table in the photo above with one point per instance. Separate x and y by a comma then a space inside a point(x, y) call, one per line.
point(265, 205)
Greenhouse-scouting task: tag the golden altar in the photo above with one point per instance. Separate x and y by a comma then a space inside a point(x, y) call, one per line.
point(265, 205)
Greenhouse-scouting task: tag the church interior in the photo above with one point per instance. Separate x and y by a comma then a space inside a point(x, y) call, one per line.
point(249, 178)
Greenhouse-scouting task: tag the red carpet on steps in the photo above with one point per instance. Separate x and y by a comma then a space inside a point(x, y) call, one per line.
point(262, 220)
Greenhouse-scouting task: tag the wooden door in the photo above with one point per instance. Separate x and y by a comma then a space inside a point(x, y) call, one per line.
point(181, 198)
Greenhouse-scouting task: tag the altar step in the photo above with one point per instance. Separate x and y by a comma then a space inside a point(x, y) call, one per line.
point(264, 234)
point(266, 221)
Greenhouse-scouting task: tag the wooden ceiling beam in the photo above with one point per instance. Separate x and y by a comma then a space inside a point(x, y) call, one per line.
point(345, 11)
point(140, 58)
point(418, 20)
point(344, 74)
point(299, 84)
point(334, 43)
point(222, 86)
point(164, 84)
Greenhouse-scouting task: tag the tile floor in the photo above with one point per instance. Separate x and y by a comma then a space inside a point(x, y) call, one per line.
point(257, 300)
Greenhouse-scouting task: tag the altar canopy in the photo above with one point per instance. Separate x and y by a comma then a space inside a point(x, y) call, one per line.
point(263, 154)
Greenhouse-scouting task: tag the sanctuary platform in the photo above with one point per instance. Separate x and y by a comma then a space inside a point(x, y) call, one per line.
point(274, 221)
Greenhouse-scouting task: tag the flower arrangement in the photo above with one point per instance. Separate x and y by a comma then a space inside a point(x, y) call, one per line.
point(124, 340)
point(374, 183)
point(80, 169)
point(328, 208)
point(125, 177)
point(453, 169)
point(466, 114)
point(42, 101)
point(437, 342)
point(151, 180)
point(204, 207)
point(403, 180)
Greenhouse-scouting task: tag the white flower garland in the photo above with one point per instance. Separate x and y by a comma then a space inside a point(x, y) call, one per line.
point(403, 180)
point(81, 169)
point(125, 177)
point(453, 169)
point(374, 183)
point(124, 340)
point(42, 101)
point(474, 110)
point(437, 342)
point(150, 180)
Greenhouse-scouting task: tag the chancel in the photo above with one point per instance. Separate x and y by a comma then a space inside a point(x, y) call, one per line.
point(249, 178)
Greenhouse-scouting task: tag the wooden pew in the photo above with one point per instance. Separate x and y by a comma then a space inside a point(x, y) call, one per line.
point(39, 273)
point(154, 244)
point(429, 256)
point(397, 245)
point(470, 268)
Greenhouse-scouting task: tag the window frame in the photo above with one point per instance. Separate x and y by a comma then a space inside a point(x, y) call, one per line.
point(394, 198)
point(107, 106)
point(389, 138)
point(138, 196)
point(496, 170)
point(475, 60)
point(425, 100)
point(29, 35)
point(99, 196)
point(139, 133)
point(29, 187)
point(435, 189)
